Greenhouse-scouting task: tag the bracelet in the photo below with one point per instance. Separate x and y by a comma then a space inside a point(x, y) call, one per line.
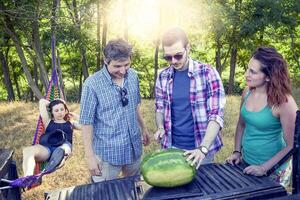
point(236, 151)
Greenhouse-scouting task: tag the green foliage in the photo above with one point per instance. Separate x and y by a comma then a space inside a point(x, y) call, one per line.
point(239, 83)
point(210, 25)
point(72, 93)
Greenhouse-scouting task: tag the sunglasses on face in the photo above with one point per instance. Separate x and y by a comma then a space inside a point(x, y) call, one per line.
point(177, 57)
point(124, 99)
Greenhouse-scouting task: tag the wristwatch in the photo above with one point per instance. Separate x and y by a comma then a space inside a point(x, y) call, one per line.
point(203, 149)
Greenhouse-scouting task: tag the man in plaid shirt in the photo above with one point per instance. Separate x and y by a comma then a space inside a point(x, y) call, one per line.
point(190, 101)
point(110, 116)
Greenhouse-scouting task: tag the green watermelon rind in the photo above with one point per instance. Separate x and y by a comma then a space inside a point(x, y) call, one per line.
point(167, 168)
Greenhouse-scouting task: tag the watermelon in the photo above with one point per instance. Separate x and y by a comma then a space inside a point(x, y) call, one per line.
point(167, 168)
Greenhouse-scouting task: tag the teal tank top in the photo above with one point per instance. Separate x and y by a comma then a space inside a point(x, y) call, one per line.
point(263, 135)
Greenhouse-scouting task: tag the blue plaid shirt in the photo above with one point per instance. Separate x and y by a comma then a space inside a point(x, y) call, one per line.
point(116, 132)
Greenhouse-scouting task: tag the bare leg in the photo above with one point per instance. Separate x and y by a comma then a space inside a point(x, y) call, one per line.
point(32, 153)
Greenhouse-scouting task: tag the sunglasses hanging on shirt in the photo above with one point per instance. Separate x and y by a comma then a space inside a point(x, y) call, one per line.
point(124, 99)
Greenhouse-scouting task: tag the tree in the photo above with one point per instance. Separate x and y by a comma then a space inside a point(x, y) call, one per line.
point(7, 79)
point(234, 51)
point(9, 29)
point(81, 44)
point(104, 28)
point(98, 48)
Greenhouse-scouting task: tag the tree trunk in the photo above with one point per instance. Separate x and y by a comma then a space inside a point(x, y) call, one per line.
point(125, 22)
point(81, 44)
point(80, 87)
point(235, 39)
point(295, 55)
point(157, 42)
point(37, 47)
point(15, 78)
point(98, 47)
point(104, 36)
point(35, 73)
point(152, 94)
point(7, 80)
point(84, 62)
point(9, 29)
point(60, 75)
point(36, 44)
point(104, 29)
point(55, 59)
point(232, 70)
point(218, 56)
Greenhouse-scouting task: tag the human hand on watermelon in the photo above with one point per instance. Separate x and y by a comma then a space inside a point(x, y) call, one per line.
point(195, 157)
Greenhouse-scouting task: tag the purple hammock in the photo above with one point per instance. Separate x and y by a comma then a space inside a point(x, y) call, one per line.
point(28, 181)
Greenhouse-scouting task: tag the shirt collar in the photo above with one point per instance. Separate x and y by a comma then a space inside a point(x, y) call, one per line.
point(108, 77)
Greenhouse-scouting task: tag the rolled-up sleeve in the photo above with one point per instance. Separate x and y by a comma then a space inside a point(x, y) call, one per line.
point(88, 104)
point(216, 97)
point(159, 103)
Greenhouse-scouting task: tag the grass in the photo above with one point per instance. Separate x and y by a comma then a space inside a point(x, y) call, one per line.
point(18, 123)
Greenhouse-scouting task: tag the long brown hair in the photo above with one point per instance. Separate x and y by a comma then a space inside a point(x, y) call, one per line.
point(56, 102)
point(274, 66)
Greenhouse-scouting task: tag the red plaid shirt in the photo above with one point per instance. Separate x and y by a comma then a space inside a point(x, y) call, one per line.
point(207, 98)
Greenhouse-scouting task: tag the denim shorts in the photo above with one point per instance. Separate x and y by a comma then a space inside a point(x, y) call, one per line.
point(51, 149)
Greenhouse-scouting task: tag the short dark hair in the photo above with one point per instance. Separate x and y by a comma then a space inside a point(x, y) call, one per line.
point(117, 49)
point(173, 35)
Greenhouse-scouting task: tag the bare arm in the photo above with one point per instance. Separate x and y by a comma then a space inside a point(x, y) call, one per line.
point(159, 118)
point(239, 131)
point(75, 123)
point(159, 108)
point(239, 134)
point(235, 158)
point(145, 133)
point(87, 135)
point(91, 160)
point(287, 114)
point(43, 107)
point(212, 131)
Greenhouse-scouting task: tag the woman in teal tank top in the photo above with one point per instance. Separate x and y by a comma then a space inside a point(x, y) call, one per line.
point(265, 129)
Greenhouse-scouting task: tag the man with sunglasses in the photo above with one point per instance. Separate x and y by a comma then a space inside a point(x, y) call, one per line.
point(190, 101)
point(110, 116)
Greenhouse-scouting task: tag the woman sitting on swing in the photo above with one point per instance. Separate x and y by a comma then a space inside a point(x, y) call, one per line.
point(57, 137)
